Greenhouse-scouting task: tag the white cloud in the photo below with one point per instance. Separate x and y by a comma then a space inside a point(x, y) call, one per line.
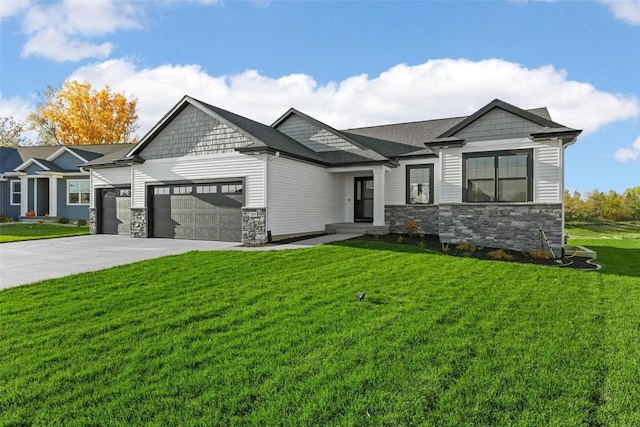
point(15, 107)
point(10, 8)
point(625, 10)
point(435, 89)
point(629, 154)
point(63, 31)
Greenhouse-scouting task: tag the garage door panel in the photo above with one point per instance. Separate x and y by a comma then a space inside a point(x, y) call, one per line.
point(115, 211)
point(200, 212)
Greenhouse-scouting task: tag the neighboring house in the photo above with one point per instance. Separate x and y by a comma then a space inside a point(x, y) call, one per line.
point(48, 180)
point(493, 178)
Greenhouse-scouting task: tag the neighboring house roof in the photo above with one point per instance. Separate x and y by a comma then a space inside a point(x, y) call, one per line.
point(355, 146)
point(12, 158)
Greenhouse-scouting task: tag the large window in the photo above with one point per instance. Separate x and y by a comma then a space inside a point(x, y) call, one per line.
point(16, 197)
point(419, 184)
point(505, 176)
point(78, 191)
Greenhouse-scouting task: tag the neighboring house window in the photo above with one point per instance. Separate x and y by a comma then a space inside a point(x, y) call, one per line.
point(16, 196)
point(505, 176)
point(419, 184)
point(78, 192)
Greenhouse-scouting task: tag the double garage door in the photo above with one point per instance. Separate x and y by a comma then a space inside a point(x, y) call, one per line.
point(211, 211)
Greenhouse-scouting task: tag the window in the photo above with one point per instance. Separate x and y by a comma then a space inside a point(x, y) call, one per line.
point(419, 184)
point(206, 189)
point(185, 189)
point(16, 197)
point(160, 191)
point(78, 192)
point(498, 177)
point(231, 188)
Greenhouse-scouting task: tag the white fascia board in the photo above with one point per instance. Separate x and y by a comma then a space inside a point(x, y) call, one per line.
point(28, 162)
point(65, 149)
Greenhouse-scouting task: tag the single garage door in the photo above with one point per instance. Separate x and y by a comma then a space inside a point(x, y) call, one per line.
point(115, 211)
point(211, 211)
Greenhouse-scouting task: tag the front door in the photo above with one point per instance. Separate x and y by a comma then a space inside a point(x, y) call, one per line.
point(363, 200)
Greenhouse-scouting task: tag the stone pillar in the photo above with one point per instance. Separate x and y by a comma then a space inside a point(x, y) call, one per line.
point(254, 226)
point(93, 224)
point(378, 196)
point(139, 222)
point(53, 196)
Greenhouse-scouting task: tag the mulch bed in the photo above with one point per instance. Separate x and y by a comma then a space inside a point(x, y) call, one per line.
point(432, 244)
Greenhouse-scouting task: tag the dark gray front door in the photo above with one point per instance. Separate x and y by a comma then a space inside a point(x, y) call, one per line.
point(211, 211)
point(363, 200)
point(115, 211)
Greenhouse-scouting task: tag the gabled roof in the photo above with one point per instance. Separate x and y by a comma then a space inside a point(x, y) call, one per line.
point(318, 123)
point(368, 144)
point(496, 103)
point(12, 158)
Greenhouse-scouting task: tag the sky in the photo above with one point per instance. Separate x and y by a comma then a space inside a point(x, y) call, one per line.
point(348, 64)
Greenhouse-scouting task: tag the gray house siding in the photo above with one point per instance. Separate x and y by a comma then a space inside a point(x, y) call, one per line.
point(67, 161)
point(194, 133)
point(72, 212)
point(5, 200)
point(498, 124)
point(32, 169)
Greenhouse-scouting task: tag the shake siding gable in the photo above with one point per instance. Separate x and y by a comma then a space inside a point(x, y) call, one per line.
point(303, 198)
point(194, 133)
point(498, 124)
point(312, 136)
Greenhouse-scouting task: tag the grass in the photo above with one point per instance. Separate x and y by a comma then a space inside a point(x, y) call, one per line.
point(617, 245)
point(17, 232)
point(279, 338)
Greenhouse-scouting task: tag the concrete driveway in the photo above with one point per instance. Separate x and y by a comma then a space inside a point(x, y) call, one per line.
point(35, 260)
point(31, 261)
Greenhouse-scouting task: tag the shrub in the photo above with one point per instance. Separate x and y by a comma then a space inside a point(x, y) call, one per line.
point(500, 254)
point(466, 247)
point(412, 227)
point(400, 238)
point(63, 220)
point(539, 254)
point(4, 218)
point(82, 223)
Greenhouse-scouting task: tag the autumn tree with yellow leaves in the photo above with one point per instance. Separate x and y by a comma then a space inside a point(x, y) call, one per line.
point(77, 114)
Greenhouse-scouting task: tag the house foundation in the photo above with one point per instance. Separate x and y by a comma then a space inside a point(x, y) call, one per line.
point(507, 226)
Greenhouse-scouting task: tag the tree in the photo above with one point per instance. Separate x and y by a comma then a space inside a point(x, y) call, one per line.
point(11, 132)
point(77, 114)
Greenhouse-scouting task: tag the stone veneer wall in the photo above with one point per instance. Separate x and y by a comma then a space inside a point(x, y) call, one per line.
point(93, 221)
point(139, 222)
point(507, 226)
point(425, 216)
point(254, 226)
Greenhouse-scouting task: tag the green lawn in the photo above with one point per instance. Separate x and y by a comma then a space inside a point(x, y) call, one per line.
point(16, 232)
point(617, 245)
point(278, 338)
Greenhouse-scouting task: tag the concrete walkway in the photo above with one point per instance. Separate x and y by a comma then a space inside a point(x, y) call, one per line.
point(35, 260)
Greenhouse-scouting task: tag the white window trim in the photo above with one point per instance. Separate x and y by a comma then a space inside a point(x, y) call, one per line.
point(12, 182)
point(69, 184)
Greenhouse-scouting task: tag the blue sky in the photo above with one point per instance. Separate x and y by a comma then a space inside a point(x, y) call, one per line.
point(348, 63)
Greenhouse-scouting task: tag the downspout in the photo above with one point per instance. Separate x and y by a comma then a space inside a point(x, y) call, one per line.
point(267, 172)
